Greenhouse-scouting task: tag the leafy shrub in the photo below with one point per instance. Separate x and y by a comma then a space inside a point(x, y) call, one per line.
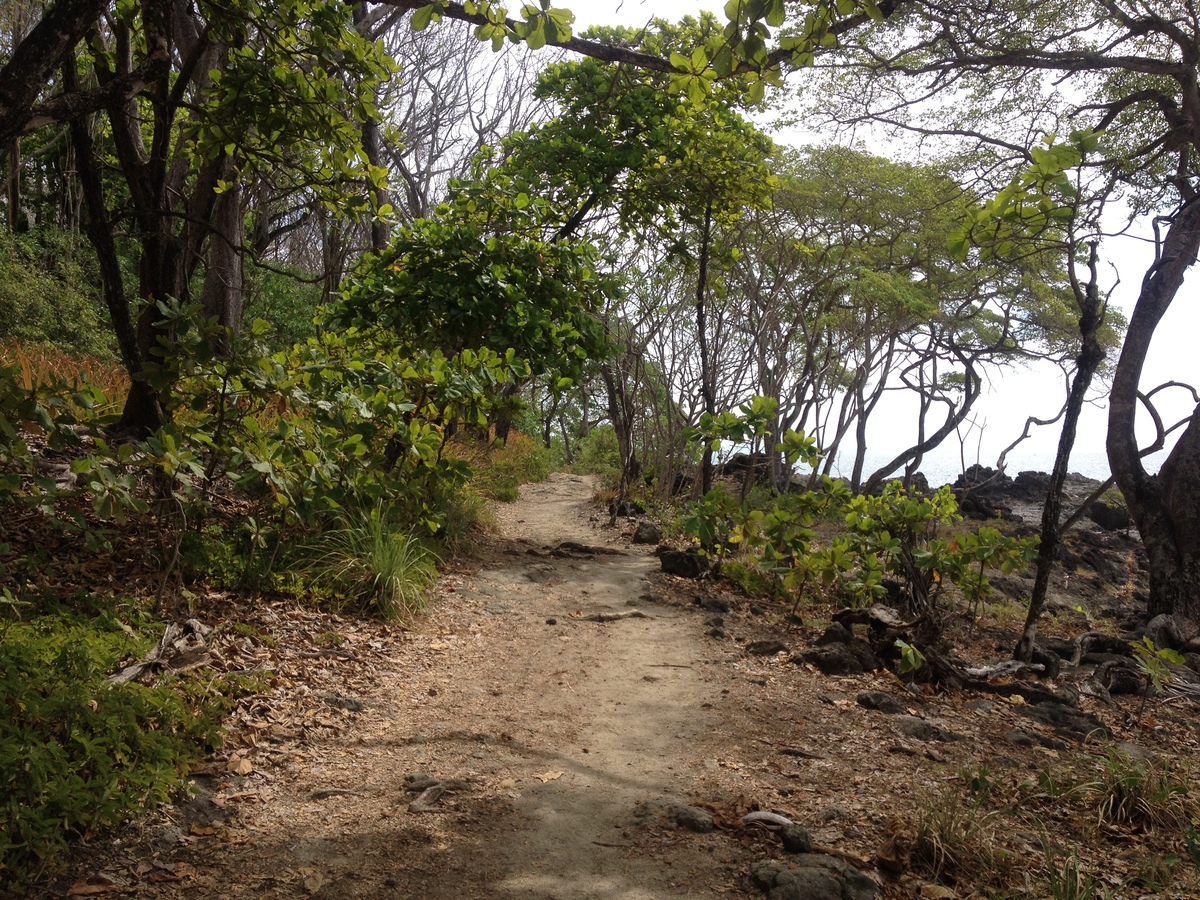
point(47, 295)
point(891, 535)
point(464, 513)
point(333, 426)
point(224, 555)
point(290, 306)
point(748, 578)
point(77, 753)
point(500, 471)
point(598, 454)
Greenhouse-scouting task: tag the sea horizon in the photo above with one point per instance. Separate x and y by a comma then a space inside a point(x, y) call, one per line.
point(943, 467)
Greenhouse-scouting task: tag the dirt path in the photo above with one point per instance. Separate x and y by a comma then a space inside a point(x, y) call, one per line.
point(569, 737)
point(627, 696)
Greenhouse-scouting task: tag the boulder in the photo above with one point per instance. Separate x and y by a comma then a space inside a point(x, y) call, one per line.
point(837, 633)
point(796, 839)
point(1109, 516)
point(813, 876)
point(766, 648)
point(684, 563)
point(854, 657)
point(1066, 721)
point(881, 702)
point(693, 818)
point(647, 533)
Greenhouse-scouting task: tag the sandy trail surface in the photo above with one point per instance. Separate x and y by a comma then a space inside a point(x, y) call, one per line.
point(561, 742)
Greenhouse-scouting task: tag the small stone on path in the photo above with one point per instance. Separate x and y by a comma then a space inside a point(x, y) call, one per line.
point(766, 648)
point(692, 818)
point(881, 702)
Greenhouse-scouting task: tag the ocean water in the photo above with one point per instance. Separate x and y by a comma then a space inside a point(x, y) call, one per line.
point(944, 466)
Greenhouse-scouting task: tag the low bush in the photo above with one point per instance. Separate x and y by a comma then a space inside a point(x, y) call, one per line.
point(77, 753)
point(464, 514)
point(599, 454)
point(500, 471)
point(47, 294)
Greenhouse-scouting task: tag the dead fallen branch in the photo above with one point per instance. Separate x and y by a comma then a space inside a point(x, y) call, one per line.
point(181, 648)
point(613, 617)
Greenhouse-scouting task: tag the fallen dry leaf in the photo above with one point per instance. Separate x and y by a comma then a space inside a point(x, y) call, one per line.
point(239, 765)
point(95, 884)
point(313, 882)
point(543, 777)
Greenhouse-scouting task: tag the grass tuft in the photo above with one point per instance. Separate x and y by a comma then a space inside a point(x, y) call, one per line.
point(370, 563)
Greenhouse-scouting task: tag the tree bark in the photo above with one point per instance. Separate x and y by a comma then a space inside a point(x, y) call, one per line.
point(223, 294)
point(621, 414)
point(142, 400)
point(373, 148)
point(1162, 506)
point(1091, 355)
point(13, 186)
point(36, 57)
point(706, 379)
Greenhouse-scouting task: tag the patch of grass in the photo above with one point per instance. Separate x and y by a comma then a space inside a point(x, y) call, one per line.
point(1066, 880)
point(500, 470)
point(376, 567)
point(464, 514)
point(1141, 794)
point(955, 834)
point(599, 454)
point(748, 578)
point(37, 365)
point(1004, 613)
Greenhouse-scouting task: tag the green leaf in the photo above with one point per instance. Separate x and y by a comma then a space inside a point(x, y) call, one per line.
point(421, 18)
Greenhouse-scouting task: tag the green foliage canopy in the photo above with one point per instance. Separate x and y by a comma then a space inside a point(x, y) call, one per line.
point(447, 284)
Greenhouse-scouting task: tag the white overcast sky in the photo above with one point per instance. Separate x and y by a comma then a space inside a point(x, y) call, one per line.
point(1175, 355)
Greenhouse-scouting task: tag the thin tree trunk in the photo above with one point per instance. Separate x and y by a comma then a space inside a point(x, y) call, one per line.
point(706, 375)
point(13, 186)
point(142, 398)
point(622, 418)
point(1091, 355)
point(372, 147)
point(223, 294)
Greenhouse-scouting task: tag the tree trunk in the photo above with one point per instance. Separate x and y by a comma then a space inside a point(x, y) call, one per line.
point(34, 59)
point(1162, 506)
point(706, 375)
point(505, 407)
point(142, 404)
point(223, 294)
point(13, 187)
point(373, 148)
point(621, 414)
point(1091, 355)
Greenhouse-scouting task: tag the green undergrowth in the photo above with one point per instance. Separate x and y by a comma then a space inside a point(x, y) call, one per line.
point(500, 471)
point(78, 753)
